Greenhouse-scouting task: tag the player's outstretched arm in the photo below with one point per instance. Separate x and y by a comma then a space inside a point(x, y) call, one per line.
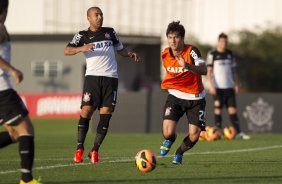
point(17, 74)
point(125, 53)
point(69, 51)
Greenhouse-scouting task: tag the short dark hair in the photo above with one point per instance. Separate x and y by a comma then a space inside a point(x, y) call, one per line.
point(91, 8)
point(222, 35)
point(3, 5)
point(175, 27)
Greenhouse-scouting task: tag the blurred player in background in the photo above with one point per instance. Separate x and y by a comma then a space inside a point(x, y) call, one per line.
point(184, 66)
point(98, 44)
point(224, 83)
point(13, 113)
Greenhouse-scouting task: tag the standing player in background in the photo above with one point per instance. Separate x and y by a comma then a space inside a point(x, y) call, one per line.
point(184, 67)
point(224, 83)
point(98, 44)
point(13, 113)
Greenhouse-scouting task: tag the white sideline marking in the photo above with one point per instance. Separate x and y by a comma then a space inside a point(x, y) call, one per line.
point(60, 159)
point(236, 151)
point(130, 159)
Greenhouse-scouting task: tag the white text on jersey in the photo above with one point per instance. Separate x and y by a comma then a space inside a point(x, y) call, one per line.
point(176, 69)
point(102, 44)
point(194, 55)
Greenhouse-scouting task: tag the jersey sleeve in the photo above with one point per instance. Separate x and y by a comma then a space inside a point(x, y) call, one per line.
point(116, 42)
point(77, 40)
point(196, 57)
point(210, 59)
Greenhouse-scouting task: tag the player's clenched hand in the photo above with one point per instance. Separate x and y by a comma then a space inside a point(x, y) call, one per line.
point(135, 56)
point(86, 48)
point(17, 74)
point(181, 60)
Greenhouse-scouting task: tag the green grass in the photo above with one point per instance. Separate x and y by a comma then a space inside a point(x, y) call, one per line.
point(208, 162)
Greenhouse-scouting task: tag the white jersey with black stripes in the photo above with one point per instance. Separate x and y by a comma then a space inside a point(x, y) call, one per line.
point(101, 61)
point(223, 64)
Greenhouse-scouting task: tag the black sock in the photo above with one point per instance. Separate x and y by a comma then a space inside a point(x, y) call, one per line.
point(218, 120)
point(26, 149)
point(185, 146)
point(172, 138)
point(82, 129)
point(235, 122)
point(5, 139)
point(102, 130)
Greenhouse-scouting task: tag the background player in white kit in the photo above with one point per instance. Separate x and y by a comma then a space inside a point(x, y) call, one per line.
point(98, 44)
point(13, 113)
point(224, 83)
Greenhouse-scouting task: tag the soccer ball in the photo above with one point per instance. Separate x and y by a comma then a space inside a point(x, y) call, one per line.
point(202, 136)
point(229, 133)
point(210, 134)
point(145, 160)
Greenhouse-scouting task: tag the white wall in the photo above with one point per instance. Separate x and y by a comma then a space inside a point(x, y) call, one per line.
point(203, 18)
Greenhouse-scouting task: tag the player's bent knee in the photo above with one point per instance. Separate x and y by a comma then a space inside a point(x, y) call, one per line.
point(232, 110)
point(14, 135)
point(24, 127)
point(217, 111)
point(87, 111)
point(194, 136)
point(106, 110)
point(28, 127)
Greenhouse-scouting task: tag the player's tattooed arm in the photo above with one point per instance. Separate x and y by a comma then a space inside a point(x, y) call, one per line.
point(69, 50)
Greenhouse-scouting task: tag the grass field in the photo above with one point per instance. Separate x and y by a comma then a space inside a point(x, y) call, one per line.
point(258, 160)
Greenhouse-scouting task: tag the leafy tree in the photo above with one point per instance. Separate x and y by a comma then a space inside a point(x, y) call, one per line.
point(259, 58)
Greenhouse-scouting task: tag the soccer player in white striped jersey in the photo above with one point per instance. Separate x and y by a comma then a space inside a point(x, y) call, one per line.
point(98, 44)
point(224, 84)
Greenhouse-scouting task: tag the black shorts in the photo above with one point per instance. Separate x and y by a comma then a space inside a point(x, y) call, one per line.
point(100, 91)
point(12, 108)
point(225, 97)
point(194, 109)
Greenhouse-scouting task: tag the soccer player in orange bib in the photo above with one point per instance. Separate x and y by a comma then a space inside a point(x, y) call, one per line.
point(184, 66)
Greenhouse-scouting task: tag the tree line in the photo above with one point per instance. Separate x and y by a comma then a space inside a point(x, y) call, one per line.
point(259, 58)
